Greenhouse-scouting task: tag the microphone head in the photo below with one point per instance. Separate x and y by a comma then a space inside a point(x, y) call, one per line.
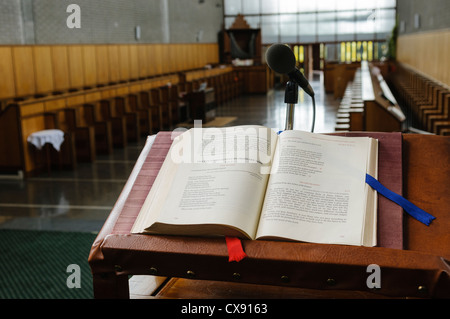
point(280, 58)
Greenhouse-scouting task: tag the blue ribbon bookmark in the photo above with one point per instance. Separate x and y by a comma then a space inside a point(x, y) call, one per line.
point(409, 207)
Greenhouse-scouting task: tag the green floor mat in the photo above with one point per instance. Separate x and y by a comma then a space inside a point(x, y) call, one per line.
point(35, 265)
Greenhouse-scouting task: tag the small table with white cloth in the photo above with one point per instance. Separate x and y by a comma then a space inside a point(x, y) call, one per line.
point(39, 139)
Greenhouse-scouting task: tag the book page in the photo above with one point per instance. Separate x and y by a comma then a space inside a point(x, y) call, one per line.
point(224, 194)
point(215, 176)
point(317, 191)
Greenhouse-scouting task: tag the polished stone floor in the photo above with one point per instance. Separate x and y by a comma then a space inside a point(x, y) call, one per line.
point(81, 199)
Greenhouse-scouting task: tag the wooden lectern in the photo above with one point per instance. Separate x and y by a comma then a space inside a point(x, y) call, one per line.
point(418, 267)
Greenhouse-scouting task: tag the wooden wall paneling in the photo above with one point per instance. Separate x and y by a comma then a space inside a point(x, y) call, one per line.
point(173, 58)
point(427, 52)
point(124, 62)
point(76, 66)
point(113, 55)
point(103, 69)
point(7, 85)
point(161, 58)
point(198, 56)
point(215, 53)
point(24, 70)
point(150, 56)
point(165, 61)
point(90, 65)
point(190, 56)
point(134, 62)
point(181, 57)
point(203, 54)
point(196, 59)
point(60, 67)
point(144, 63)
point(156, 58)
point(185, 54)
point(43, 69)
point(170, 58)
point(443, 56)
point(193, 56)
point(208, 54)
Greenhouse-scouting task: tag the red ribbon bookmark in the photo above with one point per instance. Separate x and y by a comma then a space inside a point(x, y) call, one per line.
point(235, 250)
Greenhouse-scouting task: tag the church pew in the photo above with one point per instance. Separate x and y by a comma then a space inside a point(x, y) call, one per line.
point(144, 113)
point(168, 108)
point(84, 135)
point(85, 98)
point(102, 128)
point(122, 109)
point(155, 106)
point(177, 94)
point(440, 123)
point(368, 104)
point(150, 99)
point(423, 98)
point(229, 87)
point(436, 107)
point(350, 114)
point(106, 112)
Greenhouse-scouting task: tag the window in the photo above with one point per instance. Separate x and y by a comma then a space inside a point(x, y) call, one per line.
point(357, 51)
point(317, 21)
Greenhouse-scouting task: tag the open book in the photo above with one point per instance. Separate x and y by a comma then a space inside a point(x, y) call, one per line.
point(252, 183)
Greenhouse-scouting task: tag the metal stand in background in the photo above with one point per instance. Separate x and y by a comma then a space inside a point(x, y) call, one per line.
point(290, 98)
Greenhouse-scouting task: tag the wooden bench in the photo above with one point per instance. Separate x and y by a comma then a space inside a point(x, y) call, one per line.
point(168, 107)
point(143, 112)
point(105, 108)
point(338, 75)
point(105, 111)
point(68, 120)
point(350, 114)
point(440, 121)
point(122, 109)
point(368, 104)
point(424, 99)
point(102, 129)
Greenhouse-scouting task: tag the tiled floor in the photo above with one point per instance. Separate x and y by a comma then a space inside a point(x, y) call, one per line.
point(81, 200)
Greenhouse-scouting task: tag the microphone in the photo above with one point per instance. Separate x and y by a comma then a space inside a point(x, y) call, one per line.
point(281, 59)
